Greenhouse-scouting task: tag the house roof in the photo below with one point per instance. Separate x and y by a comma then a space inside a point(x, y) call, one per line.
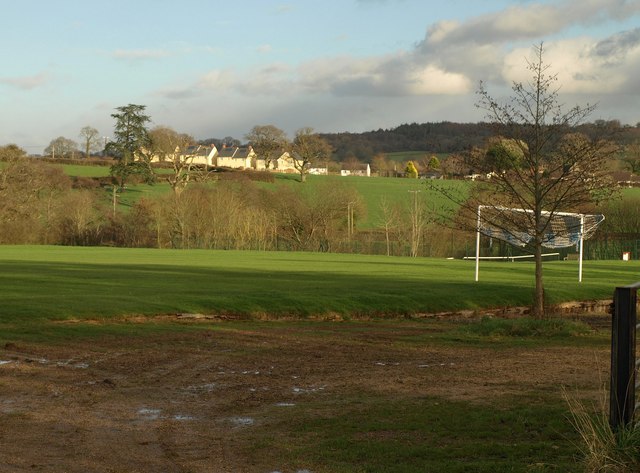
point(355, 167)
point(625, 176)
point(235, 152)
point(198, 150)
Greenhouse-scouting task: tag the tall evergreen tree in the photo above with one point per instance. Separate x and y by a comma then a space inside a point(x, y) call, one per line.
point(131, 144)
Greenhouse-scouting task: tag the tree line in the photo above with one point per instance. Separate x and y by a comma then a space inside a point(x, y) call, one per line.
point(445, 138)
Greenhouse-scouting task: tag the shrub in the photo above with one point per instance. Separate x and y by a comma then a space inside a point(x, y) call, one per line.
point(604, 450)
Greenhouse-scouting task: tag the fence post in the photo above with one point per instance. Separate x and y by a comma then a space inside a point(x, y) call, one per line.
point(623, 356)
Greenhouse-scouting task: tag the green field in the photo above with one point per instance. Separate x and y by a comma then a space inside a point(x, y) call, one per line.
point(47, 282)
point(396, 192)
point(394, 395)
point(85, 171)
point(88, 334)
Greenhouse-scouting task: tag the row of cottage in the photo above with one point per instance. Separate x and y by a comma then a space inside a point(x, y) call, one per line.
point(237, 157)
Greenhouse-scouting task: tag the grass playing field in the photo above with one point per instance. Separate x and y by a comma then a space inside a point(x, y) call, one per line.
point(387, 395)
point(50, 282)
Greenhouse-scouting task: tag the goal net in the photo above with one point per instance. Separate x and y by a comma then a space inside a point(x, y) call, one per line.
point(517, 227)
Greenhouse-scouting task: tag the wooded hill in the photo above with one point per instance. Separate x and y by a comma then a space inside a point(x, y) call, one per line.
point(446, 137)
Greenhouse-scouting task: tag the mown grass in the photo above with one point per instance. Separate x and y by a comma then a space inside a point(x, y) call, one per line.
point(410, 435)
point(48, 282)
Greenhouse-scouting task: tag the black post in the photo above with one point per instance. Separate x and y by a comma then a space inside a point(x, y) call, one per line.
point(623, 356)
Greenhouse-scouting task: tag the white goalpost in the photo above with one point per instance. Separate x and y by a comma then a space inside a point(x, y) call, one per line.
point(515, 226)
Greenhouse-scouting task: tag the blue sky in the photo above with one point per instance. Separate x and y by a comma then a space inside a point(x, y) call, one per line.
point(216, 69)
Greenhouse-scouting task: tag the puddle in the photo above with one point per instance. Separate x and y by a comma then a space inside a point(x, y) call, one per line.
point(297, 390)
point(436, 364)
point(382, 363)
point(183, 417)
point(297, 471)
point(285, 404)
point(154, 414)
point(76, 365)
point(6, 406)
point(242, 421)
point(5, 362)
point(149, 414)
point(208, 387)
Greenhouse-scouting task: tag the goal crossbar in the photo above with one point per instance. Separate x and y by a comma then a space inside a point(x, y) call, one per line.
point(560, 233)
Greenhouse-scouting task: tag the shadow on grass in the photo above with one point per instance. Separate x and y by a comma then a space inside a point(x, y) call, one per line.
point(42, 290)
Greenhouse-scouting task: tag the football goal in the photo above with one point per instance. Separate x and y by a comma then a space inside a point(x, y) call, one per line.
point(516, 227)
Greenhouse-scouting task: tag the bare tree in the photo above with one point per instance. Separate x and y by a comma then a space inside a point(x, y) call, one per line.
point(540, 164)
point(62, 147)
point(380, 164)
point(632, 157)
point(418, 220)
point(176, 148)
point(389, 221)
point(268, 142)
point(90, 140)
point(30, 194)
point(454, 165)
point(308, 149)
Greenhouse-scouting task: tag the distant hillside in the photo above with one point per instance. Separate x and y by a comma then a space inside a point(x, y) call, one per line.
point(444, 137)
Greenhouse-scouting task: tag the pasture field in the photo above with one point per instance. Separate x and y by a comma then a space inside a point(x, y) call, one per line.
point(156, 360)
point(396, 191)
point(80, 170)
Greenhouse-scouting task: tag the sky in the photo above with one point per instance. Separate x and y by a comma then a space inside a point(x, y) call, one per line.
point(214, 69)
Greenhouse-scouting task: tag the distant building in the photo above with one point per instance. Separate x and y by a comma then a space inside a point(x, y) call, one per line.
point(200, 154)
point(319, 171)
point(356, 170)
point(236, 157)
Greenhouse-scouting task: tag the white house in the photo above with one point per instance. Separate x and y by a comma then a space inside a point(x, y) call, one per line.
point(236, 158)
point(200, 154)
point(284, 163)
point(356, 170)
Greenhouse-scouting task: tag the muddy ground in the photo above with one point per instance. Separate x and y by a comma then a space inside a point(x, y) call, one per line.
point(187, 401)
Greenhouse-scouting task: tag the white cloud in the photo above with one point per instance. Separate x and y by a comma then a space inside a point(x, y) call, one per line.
point(396, 75)
point(139, 54)
point(584, 65)
point(219, 80)
point(264, 48)
point(528, 21)
point(441, 72)
point(26, 82)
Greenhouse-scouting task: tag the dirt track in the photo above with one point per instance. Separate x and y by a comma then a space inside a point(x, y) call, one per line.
point(187, 402)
